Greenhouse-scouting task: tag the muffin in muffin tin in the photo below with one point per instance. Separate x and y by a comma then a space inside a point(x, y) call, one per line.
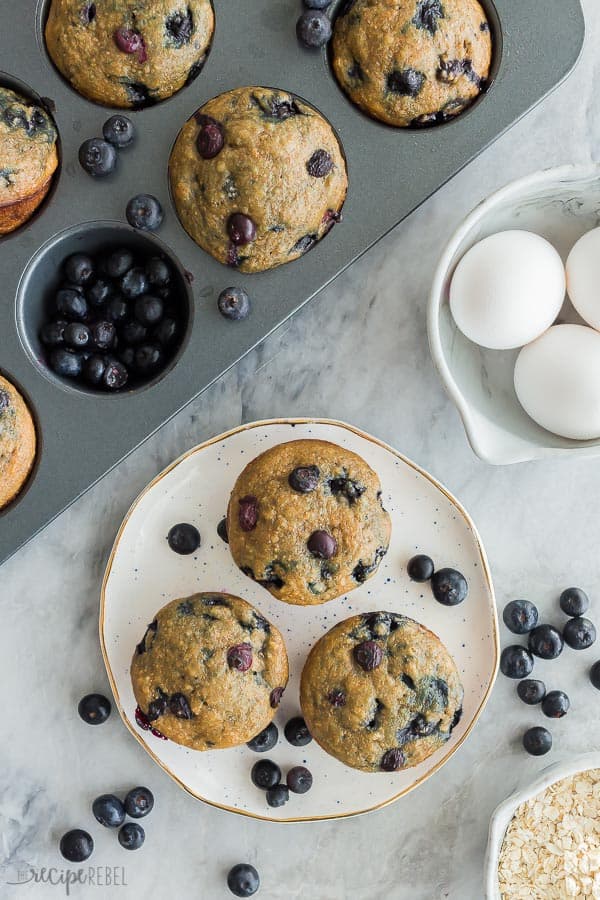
point(17, 442)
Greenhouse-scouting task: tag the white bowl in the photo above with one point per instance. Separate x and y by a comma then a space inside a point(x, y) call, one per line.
point(503, 814)
point(559, 204)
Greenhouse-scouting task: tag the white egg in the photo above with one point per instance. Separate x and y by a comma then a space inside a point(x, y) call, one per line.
point(583, 277)
point(557, 380)
point(507, 289)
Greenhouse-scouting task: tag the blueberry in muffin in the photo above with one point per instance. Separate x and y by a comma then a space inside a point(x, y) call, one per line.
point(412, 62)
point(306, 521)
point(209, 671)
point(380, 692)
point(129, 53)
point(258, 177)
point(17, 442)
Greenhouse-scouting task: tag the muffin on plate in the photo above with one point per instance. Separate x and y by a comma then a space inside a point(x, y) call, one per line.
point(28, 158)
point(130, 53)
point(257, 178)
point(306, 521)
point(412, 62)
point(380, 692)
point(17, 442)
point(209, 672)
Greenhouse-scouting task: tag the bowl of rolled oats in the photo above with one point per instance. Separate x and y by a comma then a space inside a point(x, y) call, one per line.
point(544, 841)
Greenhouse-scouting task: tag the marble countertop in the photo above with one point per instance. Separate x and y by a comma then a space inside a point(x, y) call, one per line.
point(358, 352)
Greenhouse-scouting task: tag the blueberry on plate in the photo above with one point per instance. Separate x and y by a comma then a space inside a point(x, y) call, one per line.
point(265, 740)
point(134, 283)
point(108, 810)
point(278, 795)
point(144, 212)
point(118, 263)
point(222, 530)
point(313, 28)
point(76, 845)
point(119, 131)
point(420, 568)
point(78, 268)
point(299, 780)
point(65, 363)
point(52, 333)
point(139, 802)
point(234, 304)
point(449, 587)
point(243, 880)
point(531, 691)
point(516, 662)
point(77, 335)
point(574, 602)
point(520, 616)
point(579, 633)
point(132, 836)
point(148, 309)
point(94, 709)
point(595, 675)
point(265, 774)
point(555, 704)
point(93, 369)
point(183, 538)
point(297, 733)
point(546, 642)
point(537, 741)
point(97, 157)
point(71, 304)
point(115, 375)
point(158, 271)
point(148, 358)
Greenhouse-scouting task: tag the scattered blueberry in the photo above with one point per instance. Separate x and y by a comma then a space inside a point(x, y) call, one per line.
point(94, 709)
point(222, 530)
point(595, 675)
point(278, 795)
point(76, 845)
point(449, 587)
point(243, 880)
point(132, 836)
point(139, 802)
point(537, 741)
point(579, 633)
point(144, 212)
point(299, 780)
point(520, 616)
point(97, 157)
point(313, 28)
point(265, 740)
point(79, 268)
point(574, 602)
point(234, 304)
point(65, 363)
point(516, 662)
point(265, 774)
point(555, 704)
point(531, 691)
point(420, 568)
point(297, 733)
point(184, 538)
point(546, 642)
point(119, 131)
point(108, 810)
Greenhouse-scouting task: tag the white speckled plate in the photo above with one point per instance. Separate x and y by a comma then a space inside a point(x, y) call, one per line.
point(143, 574)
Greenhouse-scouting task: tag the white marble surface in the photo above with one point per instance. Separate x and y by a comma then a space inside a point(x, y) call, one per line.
point(358, 352)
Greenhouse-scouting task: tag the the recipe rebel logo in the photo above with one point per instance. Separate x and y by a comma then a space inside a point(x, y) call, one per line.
point(91, 876)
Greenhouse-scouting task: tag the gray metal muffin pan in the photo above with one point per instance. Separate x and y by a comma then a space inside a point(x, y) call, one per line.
point(391, 171)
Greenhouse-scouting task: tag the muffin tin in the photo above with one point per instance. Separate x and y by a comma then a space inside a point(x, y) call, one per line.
point(82, 436)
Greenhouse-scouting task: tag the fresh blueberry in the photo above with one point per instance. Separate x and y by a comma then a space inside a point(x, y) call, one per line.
point(299, 780)
point(265, 774)
point(103, 334)
point(317, 4)
point(127, 357)
point(574, 602)
point(166, 331)
point(520, 616)
point(76, 845)
point(546, 642)
point(139, 802)
point(420, 568)
point(77, 335)
point(158, 271)
point(52, 333)
point(243, 880)
point(134, 283)
point(65, 363)
point(234, 304)
point(119, 131)
point(555, 704)
point(94, 709)
point(579, 633)
point(516, 662)
point(93, 369)
point(118, 263)
point(313, 28)
point(79, 268)
point(183, 538)
point(148, 309)
point(449, 587)
point(134, 332)
point(148, 358)
point(132, 836)
point(595, 675)
point(115, 375)
point(537, 741)
point(265, 740)
point(241, 229)
point(108, 810)
point(71, 304)
point(99, 292)
point(97, 157)
point(117, 310)
point(297, 733)
point(531, 691)
point(144, 212)
point(222, 530)
point(278, 795)
point(322, 545)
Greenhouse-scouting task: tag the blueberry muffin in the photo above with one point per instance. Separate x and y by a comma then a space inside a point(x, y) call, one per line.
point(209, 671)
point(17, 442)
point(129, 53)
point(305, 520)
point(412, 62)
point(380, 692)
point(28, 158)
point(257, 177)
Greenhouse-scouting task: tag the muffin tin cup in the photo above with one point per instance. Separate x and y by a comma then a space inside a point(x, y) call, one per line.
point(391, 172)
